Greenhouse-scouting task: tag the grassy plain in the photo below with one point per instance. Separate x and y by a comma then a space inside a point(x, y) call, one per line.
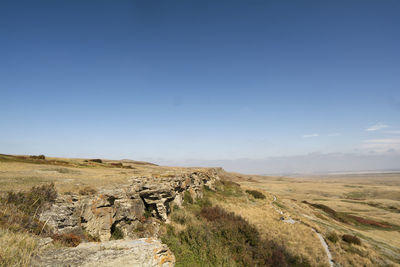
point(73, 174)
point(364, 205)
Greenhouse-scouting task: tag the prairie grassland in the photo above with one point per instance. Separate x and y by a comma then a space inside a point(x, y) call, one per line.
point(373, 199)
point(367, 206)
point(19, 228)
point(71, 175)
point(298, 238)
point(206, 234)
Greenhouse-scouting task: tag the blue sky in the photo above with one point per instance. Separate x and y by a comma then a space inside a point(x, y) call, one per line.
point(172, 81)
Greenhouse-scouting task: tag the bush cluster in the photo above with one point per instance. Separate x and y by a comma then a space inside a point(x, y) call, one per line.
point(116, 233)
point(179, 216)
point(96, 160)
point(352, 239)
point(187, 198)
point(325, 208)
point(33, 201)
point(38, 157)
point(15, 220)
point(256, 194)
point(21, 209)
point(333, 237)
point(214, 237)
point(229, 188)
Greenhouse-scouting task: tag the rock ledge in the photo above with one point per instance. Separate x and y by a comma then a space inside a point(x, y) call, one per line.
point(143, 252)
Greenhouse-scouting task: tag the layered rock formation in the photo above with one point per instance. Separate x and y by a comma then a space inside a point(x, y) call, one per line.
point(139, 252)
point(124, 207)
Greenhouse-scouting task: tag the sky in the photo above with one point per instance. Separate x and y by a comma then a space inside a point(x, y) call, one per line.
point(242, 84)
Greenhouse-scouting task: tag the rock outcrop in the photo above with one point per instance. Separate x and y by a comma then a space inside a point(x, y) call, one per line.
point(144, 252)
point(124, 208)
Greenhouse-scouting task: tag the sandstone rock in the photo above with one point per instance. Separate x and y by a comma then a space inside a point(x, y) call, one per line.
point(44, 242)
point(61, 217)
point(124, 206)
point(140, 252)
point(98, 214)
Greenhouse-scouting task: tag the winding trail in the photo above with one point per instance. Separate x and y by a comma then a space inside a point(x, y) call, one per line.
point(321, 238)
point(325, 246)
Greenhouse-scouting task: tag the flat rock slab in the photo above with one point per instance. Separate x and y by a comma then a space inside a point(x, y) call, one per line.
point(141, 252)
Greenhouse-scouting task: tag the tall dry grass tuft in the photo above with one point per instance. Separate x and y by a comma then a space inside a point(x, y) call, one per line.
point(20, 211)
point(19, 223)
point(16, 249)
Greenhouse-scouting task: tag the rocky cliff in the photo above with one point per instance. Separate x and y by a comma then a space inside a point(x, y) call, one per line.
point(125, 208)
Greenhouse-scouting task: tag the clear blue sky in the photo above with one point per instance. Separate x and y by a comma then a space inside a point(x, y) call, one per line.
point(199, 80)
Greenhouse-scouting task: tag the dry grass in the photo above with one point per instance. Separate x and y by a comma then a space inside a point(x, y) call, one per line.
point(72, 175)
point(368, 198)
point(206, 235)
point(298, 238)
point(369, 203)
point(16, 249)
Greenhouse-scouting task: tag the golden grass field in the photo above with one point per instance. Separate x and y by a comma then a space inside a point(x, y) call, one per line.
point(375, 197)
point(371, 196)
point(71, 175)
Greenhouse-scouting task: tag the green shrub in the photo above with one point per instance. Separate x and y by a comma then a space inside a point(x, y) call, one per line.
point(147, 214)
point(179, 216)
point(21, 209)
point(229, 188)
point(203, 202)
point(187, 198)
point(33, 201)
point(214, 237)
point(256, 194)
point(15, 220)
point(116, 233)
point(96, 160)
point(352, 239)
point(325, 208)
point(149, 211)
point(333, 237)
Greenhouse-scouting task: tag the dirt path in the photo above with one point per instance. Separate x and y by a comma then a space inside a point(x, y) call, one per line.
point(321, 238)
point(325, 246)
